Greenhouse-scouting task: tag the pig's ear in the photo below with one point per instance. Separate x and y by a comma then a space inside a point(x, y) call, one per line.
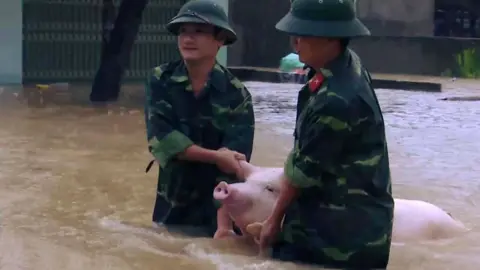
point(247, 168)
point(254, 229)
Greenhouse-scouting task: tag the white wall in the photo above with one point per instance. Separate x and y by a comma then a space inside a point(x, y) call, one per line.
point(10, 41)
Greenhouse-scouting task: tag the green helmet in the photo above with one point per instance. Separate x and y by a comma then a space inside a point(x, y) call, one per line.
point(206, 12)
point(323, 18)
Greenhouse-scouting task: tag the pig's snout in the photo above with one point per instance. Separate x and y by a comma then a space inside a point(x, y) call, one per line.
point(222, 191)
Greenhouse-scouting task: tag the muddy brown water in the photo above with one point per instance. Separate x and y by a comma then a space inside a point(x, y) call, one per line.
point(74, 195)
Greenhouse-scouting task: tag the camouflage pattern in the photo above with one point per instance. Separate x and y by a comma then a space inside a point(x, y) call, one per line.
point(220, 116)
point(343, 216)
point(323, 18)
point(205, 12)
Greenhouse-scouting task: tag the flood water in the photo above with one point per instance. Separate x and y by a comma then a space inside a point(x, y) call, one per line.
point(74, 194)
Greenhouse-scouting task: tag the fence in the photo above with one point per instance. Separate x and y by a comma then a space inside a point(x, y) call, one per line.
point(62, 39)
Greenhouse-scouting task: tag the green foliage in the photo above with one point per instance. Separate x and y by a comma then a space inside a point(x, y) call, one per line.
point(468, 62)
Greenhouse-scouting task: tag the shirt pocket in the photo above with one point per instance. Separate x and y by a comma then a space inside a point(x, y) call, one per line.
point(221, 113)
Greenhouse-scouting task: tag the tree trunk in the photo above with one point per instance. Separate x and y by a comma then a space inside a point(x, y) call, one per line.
point(117, 48)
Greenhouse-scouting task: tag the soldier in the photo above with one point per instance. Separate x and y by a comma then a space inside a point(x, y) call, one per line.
point(336, 200)
point(199, 121)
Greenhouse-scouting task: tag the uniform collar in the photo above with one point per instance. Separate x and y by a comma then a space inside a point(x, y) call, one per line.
point(334, 67)
point(337, 65)
point(216, 78)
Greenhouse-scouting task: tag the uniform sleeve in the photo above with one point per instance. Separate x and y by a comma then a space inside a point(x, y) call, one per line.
point(164, 140)
point(240, 131)
point(321, 137)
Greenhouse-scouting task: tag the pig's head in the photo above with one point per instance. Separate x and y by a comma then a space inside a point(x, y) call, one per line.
point(253, 200)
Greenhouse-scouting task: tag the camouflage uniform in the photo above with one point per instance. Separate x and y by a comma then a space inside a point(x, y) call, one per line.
point(221, 116)
point(343, 215)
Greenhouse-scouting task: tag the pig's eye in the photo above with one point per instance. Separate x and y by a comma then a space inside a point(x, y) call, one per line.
point(269, 189)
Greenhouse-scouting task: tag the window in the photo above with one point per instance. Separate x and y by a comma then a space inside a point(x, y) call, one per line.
point(459, 19)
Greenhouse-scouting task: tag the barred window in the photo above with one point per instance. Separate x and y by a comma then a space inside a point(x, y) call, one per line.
point(457, 19)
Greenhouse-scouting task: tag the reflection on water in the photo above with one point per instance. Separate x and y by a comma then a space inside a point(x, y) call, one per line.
point(74, 195)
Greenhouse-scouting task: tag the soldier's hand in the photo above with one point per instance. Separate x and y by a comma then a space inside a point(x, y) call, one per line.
point(268, 233)
point(238, 156)
point(228, 162)
point(223, 233)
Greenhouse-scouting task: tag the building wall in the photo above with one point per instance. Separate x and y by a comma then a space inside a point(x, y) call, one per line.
point(398, 17)
point(430, 56)
point(222, 54)
point(10, 42)
point(259, 43)
point(402, 38)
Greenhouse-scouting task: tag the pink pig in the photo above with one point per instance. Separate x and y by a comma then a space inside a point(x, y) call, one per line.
point(250, 203)
point(247, 203)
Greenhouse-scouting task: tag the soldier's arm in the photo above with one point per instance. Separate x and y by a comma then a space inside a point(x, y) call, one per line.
point(326, 128)
point(165, 141)
point(240, 132)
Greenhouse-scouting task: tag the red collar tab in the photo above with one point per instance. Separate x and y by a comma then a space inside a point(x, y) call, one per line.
point(315, 82)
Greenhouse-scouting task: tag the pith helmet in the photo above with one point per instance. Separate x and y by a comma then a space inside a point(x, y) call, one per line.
point(206, 12)
point(322, 18)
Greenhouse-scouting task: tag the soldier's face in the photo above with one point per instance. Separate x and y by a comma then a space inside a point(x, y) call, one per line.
point(198, 41)
point(313, 51)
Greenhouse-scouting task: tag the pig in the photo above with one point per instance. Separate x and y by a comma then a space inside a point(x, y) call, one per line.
point(249, 203)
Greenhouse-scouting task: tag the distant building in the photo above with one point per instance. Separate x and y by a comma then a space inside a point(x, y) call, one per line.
point(452, 18)
point(61, 40)
point(457, 19)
